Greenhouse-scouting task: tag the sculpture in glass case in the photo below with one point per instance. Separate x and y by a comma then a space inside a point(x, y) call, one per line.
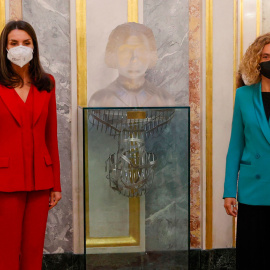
point(131, 49)
point(131, 169)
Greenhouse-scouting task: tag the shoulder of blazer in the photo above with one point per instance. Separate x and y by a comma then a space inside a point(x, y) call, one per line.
point(246, 90)
point(3, 88)
point(52, 79)
point(5, 92)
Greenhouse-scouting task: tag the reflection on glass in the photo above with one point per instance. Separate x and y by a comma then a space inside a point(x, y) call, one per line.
point(131, 168)
point(163, 228)
point(131, 49)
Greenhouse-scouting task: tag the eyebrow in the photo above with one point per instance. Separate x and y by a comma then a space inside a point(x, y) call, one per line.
point(265, 54)
point(17, 40)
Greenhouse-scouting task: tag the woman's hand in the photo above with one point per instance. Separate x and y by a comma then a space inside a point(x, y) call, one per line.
point(230, 206)
point(55, 197)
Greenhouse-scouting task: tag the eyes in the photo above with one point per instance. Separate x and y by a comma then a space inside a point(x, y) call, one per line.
point(265, 56)
point(17, 43)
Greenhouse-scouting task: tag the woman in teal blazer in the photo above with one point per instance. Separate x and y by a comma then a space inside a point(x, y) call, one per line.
point(247, 176)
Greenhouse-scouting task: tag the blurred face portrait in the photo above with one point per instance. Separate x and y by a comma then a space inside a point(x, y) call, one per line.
point(18, 37)
point(133, 57)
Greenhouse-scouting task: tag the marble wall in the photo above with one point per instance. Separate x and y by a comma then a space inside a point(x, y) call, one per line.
point(51, 21)
point(177, 28)
point(15, 9)
point(195, 79)
point(169, 22)
point(167, 201)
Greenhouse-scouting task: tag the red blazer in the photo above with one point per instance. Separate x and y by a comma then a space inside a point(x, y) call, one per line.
point(46, 156)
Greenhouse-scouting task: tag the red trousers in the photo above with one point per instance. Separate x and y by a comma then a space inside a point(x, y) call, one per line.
point(23, 218)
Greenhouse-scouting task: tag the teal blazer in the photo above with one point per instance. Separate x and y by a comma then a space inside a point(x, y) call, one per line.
point(248, 158)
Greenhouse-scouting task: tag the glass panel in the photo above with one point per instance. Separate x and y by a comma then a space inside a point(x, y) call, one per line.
point(136, 173)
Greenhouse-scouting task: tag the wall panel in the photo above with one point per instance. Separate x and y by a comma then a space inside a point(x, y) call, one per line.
point(51, 21)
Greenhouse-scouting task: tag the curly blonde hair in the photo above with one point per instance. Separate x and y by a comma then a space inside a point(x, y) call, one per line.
point(249, 68)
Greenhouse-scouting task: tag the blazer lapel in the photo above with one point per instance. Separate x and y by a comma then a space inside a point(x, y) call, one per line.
point(9, 98)
point(39, 100)
point(260, 113)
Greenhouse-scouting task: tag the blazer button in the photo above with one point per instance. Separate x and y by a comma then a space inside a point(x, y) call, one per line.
point(257, 156)
point(258, 176)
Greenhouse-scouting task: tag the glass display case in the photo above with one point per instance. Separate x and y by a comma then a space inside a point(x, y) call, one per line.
point(136, 187)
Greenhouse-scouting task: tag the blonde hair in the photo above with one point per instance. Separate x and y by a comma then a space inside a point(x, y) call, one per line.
point(249, 68)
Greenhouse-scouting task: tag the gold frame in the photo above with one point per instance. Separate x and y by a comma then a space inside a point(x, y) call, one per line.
point(235, 43)
point(134, 213)
point(133, 13)
point(209, 123)
point(241, 29)
point(258, 18)
point(81, 52)
point(2, 14)
point(133, 239)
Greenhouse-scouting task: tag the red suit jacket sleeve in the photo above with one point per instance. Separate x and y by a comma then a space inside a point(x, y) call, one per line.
point(51, 138)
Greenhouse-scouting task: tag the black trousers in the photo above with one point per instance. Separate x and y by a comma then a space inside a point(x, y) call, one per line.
point(253, 237)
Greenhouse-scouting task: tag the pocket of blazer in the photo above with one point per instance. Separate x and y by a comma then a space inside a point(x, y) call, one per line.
point(245, 162)
point(48, 160)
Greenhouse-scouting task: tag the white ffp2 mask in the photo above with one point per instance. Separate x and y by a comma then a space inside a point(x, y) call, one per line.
point(20, 55)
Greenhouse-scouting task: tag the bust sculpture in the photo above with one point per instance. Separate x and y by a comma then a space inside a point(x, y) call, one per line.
point(131, 49)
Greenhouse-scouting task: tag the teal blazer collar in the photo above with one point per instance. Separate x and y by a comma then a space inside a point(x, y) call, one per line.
point(259, 110)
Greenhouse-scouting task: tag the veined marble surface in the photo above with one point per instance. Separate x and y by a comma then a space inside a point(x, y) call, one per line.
point(195, 120)
point(169, 21)
point(15, 9)
point(51, 21)
point(167, 202)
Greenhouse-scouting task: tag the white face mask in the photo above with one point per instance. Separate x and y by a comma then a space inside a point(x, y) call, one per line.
point(20, 55)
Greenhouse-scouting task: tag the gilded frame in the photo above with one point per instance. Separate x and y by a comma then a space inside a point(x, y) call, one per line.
point(133, 239)
point(2, 14)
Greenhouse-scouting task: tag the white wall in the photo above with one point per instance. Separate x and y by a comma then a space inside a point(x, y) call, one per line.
point(222, 114)
point(223, 100)
point(265, 16)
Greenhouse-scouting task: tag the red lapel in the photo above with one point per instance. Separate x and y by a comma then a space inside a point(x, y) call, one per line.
point(11, 101)
point(39, 101)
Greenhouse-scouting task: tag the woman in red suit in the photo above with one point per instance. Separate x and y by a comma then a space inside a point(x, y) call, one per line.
point(29, 159)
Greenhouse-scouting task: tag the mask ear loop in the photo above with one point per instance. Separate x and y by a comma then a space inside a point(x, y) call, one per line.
point(31, 61)
point(259, 70)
